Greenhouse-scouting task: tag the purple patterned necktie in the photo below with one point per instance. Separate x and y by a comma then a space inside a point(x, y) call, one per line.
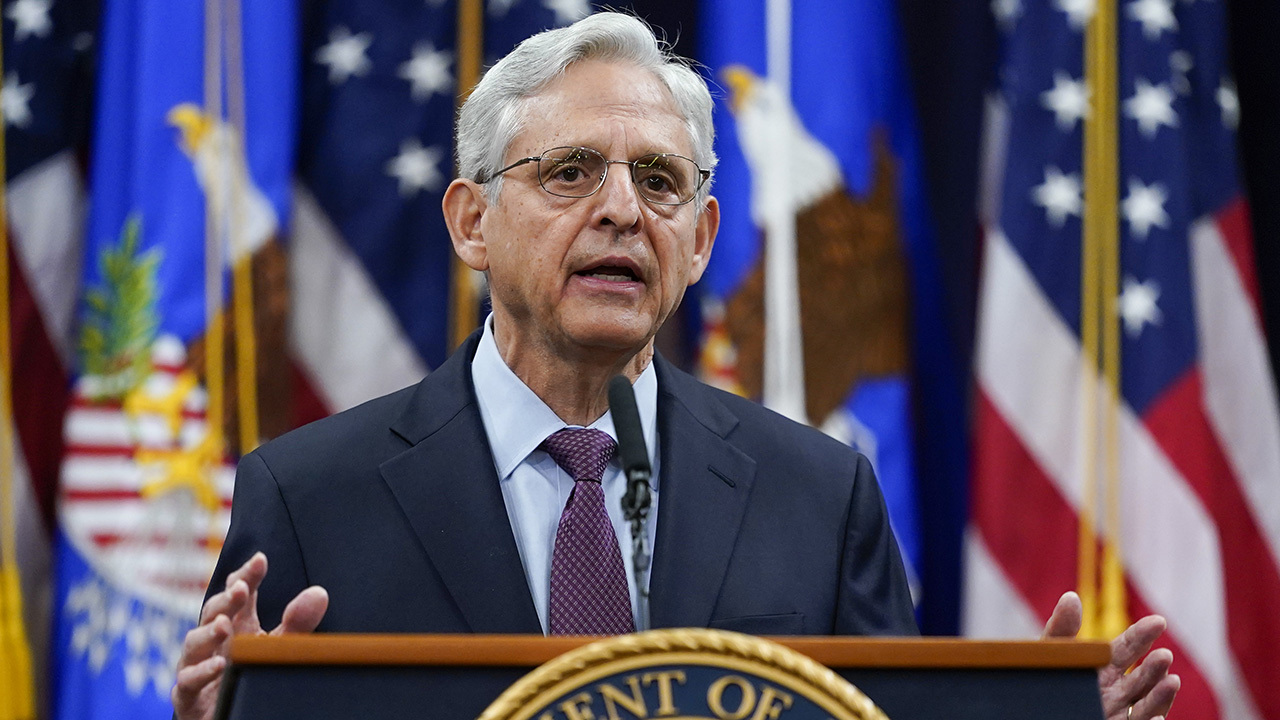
point(589, 593)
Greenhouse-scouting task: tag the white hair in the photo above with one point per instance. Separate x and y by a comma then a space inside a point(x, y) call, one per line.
point(492, 116)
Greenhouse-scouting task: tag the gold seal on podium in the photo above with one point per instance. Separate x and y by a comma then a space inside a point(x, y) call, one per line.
point(683, 674)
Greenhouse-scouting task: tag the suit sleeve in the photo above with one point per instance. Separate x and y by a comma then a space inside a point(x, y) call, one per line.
point(260, 521)
point(874, 596)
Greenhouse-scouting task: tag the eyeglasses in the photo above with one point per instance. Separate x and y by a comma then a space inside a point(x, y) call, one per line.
point(576, 172)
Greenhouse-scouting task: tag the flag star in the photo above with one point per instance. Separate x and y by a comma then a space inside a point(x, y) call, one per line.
point(1230, 104)
point(1079, 12)
point(1144, 207)
point(345, 54)
point(15, 101)
point(1059, 195)
point(1138, 305)
point(499, 8)
point(1152, 106)
point(428, 71)
point(417, 168)
point(30, 17)
point(1007, 12)
point(1156, 16)
point(568, 11)
point(1069, 100)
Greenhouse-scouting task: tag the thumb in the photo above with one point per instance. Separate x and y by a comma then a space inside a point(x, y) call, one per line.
point(1067, 616)
point(304, 612)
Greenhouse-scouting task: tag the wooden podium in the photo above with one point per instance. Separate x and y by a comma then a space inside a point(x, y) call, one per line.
point(455, 677)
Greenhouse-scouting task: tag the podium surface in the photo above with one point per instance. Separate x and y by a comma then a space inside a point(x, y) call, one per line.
point(456, 676)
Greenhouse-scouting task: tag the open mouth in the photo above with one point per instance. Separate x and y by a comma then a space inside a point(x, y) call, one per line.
point(610, 273)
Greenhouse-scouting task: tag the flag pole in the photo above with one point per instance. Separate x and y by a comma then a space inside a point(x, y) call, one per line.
point(1106, 612)
point(783, 387)
point(241, 254)
point(17, 689)
point(464, 300)
point(214, 348)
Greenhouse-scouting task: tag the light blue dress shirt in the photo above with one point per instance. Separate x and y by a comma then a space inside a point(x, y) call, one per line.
point(534, 488)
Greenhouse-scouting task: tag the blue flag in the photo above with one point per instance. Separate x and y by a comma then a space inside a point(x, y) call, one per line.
point(147, 474)
point(844, 142)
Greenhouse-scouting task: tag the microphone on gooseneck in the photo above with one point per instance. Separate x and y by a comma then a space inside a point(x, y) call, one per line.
point(635, 465)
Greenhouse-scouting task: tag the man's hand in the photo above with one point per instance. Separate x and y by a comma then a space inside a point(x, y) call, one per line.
point(234, 611)
point(1149, 690)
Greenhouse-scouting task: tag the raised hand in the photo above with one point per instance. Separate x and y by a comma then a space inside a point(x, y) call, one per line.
point(234, 611)
point(1145, 693)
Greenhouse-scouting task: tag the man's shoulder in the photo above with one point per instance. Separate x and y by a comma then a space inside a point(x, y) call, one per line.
point(357, 431)
point(751, 426)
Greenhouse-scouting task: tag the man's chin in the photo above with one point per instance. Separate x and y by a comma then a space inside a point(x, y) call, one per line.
point(604, 335)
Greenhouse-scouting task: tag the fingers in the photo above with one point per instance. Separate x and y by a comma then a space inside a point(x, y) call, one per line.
point(1136, 640)
point(229, 602)
point(304, 612)
point(1158, 701)
point(1066, 618)
point(197, 684)
point(204, 641)
point(251, 573)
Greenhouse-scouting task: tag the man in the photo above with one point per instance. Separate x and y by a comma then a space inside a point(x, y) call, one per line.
point(484, 499)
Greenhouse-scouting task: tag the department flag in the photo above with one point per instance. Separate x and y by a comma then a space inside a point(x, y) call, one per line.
point(189, 177)
point(822, 296)
point(1197, 428)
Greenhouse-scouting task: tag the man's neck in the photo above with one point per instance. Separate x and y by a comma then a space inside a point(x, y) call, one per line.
point(576, 387)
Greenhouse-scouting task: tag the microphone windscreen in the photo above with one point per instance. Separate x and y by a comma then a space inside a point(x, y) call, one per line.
point(626, 421)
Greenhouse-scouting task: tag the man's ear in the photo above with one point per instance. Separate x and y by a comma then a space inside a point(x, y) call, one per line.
point(464, 205)
point(704, 238)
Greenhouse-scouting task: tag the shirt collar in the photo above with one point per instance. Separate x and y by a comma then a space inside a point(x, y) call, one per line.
point(516, 420)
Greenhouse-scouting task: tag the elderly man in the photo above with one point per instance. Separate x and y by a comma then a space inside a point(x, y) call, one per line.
point(485, 499)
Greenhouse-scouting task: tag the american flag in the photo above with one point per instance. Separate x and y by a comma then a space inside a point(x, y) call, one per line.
point(1198, 428)
point(48, 50)
point(370, 254)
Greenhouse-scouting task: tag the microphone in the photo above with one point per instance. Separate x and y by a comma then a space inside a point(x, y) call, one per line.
point(635, 465)
point(631, 448)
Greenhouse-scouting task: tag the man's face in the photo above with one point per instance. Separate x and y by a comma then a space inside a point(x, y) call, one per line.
point(596, 275)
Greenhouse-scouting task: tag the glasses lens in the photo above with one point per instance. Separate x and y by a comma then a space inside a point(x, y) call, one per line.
point(571, 171)
point(666, 179)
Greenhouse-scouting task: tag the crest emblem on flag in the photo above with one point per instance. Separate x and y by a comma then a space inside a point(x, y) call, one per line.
point(146, 489)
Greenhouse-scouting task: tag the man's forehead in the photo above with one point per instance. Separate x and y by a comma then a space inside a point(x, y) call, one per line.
point(592, 100)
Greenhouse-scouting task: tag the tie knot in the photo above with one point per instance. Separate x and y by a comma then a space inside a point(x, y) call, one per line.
point(582, 452)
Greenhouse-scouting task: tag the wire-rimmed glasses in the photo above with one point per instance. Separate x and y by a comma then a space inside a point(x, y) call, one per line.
point(576, 172)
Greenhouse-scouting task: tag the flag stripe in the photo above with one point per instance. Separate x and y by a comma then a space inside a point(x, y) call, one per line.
point(39, 390)
point(1040, 568)
point(1239, 390)
point(46, 214)
point(1237, 238)
point(1252, 587)
point(340, 326)
point(992, 606)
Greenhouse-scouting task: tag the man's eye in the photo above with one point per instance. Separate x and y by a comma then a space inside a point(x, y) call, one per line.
point(568, 173)
point(657, 182)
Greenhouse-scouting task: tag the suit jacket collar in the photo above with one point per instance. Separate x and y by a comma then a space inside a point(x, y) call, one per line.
point(448, 488)
point(706, 482)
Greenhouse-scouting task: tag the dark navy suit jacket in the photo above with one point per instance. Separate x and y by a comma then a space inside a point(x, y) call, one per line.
point(765, 526)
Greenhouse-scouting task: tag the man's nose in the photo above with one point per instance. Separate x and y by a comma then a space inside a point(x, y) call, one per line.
point(619, 197)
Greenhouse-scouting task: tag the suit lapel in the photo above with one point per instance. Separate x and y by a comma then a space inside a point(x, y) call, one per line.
point(704, 484)
point(448, 488)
